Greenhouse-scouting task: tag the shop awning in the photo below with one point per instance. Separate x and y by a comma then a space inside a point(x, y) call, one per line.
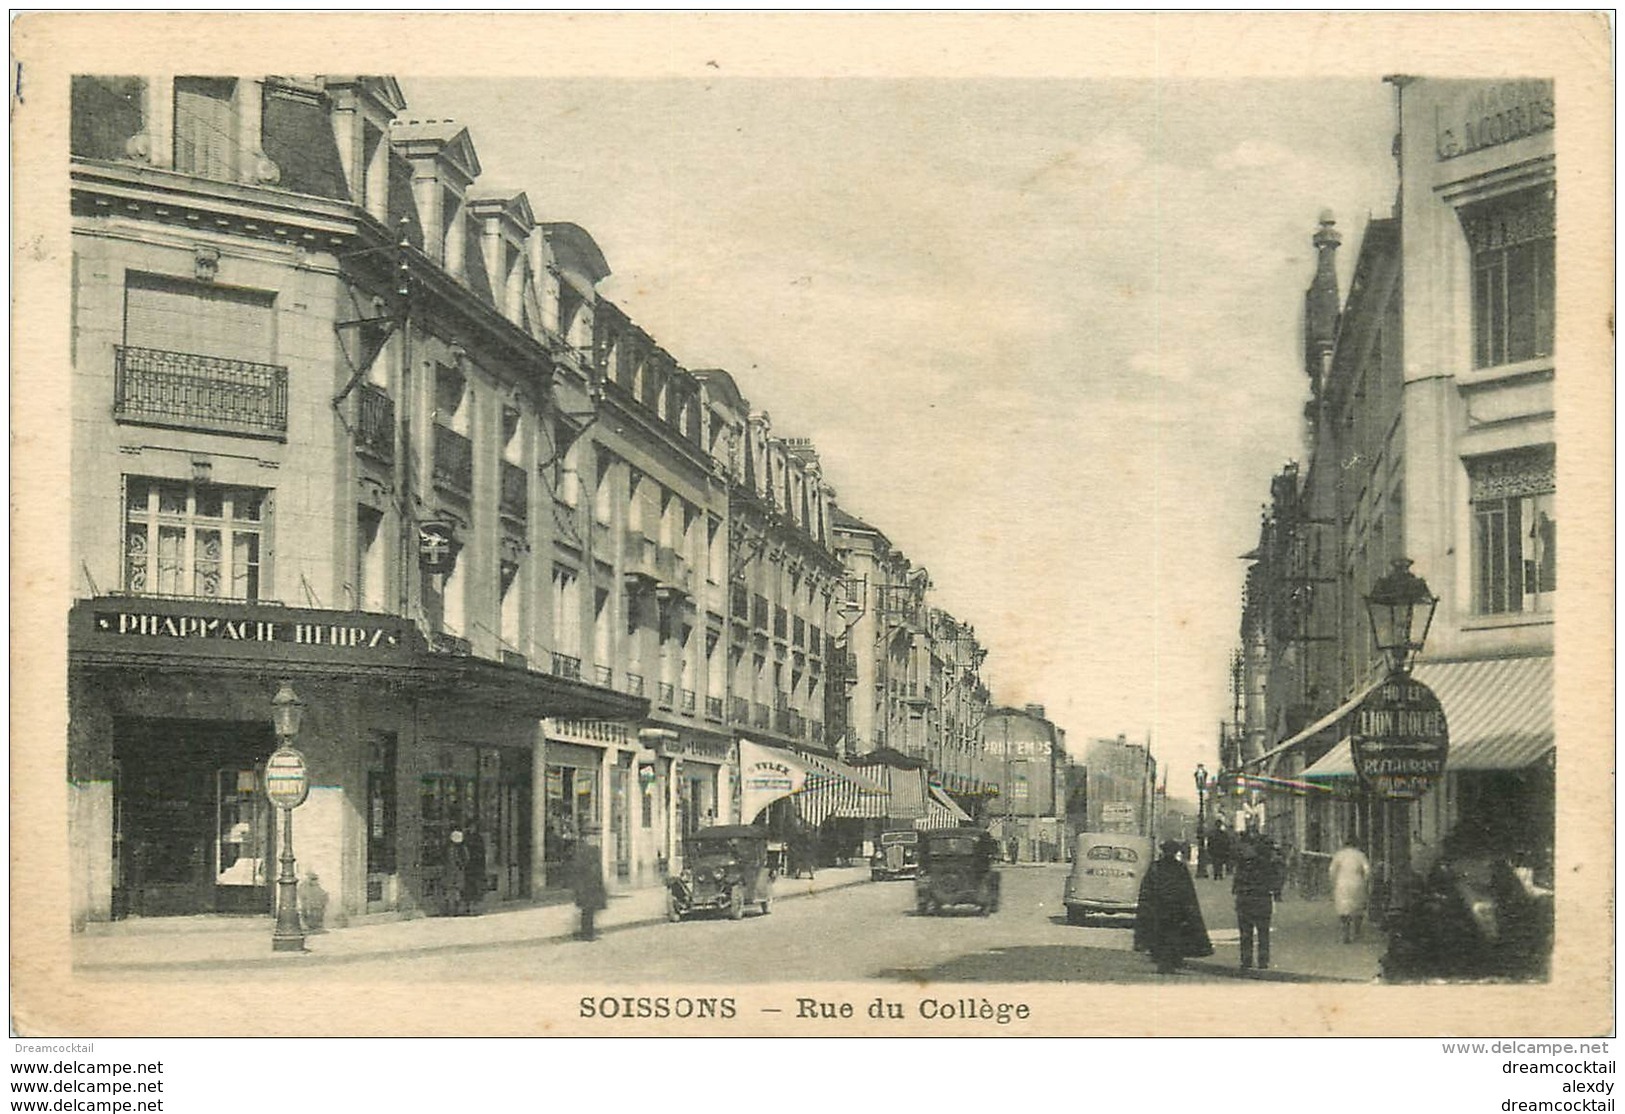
point(908, 795)
point(1317, 727)
point(1499, 711)
point(941, 812)
point(836, 789)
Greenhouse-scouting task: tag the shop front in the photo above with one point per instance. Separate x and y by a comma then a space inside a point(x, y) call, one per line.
point(170, 729)
point(692, 768)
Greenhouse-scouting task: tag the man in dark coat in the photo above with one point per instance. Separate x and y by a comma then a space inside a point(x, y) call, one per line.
point(1258, 880)
point(1168, 923)
point(587, 879)
point(474, 871)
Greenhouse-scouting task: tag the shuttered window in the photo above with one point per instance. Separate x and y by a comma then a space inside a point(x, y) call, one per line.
point(179, 316)
point(206, 126)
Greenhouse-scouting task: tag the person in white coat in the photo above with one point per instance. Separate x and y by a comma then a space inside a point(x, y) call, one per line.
point(1351, 887)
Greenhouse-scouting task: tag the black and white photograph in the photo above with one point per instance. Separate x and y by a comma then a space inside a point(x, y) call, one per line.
point(813, 524)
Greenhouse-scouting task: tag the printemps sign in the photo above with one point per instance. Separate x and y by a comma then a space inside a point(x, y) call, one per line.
point(1400, 739)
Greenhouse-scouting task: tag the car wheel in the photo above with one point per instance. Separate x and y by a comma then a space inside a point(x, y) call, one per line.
point(736, 904)
point(673, 913)
point(874, 876)
point(767, 906)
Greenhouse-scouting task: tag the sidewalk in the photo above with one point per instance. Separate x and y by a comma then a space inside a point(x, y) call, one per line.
point(1305, 940)
point(156, 944)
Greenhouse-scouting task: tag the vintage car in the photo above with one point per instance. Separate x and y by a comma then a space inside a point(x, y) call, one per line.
point(1107, 869)
point(957, 869)
point(897, 855)
point(724, 868)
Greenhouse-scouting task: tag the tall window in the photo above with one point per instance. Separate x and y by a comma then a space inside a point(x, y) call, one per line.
point(1514, 244)
point(1514, 532)
point(206, 126)
point(371, 571)
point(184, 539)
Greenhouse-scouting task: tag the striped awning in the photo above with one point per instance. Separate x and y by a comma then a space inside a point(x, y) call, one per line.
point(908, 795)
point(940, 812)
point(1315, 728)
point(836, 789)
point(1499, 711)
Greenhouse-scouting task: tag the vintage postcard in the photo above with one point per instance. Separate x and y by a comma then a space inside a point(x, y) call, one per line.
point(812, 524)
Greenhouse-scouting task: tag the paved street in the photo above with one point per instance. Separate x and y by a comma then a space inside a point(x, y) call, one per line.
point(841, 928)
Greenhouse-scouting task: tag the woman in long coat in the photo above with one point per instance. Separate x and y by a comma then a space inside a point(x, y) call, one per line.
point(1169, 923)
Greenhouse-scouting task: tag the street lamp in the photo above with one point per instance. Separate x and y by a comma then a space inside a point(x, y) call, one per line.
point(1201, 820)
point(287, 785)
point(1392, 607)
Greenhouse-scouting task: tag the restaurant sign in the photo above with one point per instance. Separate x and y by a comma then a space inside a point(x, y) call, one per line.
point(1400, 739)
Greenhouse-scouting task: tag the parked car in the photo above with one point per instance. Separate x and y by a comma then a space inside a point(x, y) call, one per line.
point(897, 855)
point(724, 868)
point(957, 868)
point(1107, 868)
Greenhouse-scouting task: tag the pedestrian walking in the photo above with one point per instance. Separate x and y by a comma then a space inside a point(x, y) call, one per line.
point(474, 871)
point(1350, 874)
point(1168, 923)
point(454, 882)
point(587, 880)
point(1218, 845)
point(1257, 880)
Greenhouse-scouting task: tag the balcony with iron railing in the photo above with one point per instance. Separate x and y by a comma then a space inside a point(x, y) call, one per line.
point(690, 701)
point(781, 721)
point(797, 725)
point(566, 666)
point(762, 716)
point(665, 695)
point(152, 386)
point(375, 423)
point(453, 462)
point(740, 713)
point(781, 700)
point(604, 675)
point(713, 708)
point(514, 499)
point(817, 730)
point(634, 684)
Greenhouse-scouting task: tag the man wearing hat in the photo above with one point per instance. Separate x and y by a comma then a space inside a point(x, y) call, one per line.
point(1168, 922)
point(587, 879)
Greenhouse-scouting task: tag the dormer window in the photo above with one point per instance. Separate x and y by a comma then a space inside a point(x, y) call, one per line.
point(206, 134)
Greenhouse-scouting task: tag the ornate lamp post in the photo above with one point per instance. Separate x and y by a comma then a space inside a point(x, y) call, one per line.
point(287, 785)
point(1201, 820)
point(1394, 605)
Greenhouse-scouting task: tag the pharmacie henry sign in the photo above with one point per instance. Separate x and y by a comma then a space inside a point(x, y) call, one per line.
point(1400, 739)
point(361, 636)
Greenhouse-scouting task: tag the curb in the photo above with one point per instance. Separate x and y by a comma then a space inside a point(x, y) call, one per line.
point(272, 961)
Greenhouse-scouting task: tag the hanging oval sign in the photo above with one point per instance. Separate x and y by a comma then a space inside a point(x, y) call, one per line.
point(1400, 739)
point(287, 782)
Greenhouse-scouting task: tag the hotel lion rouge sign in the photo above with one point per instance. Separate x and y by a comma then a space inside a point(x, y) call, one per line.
point(1400, 739)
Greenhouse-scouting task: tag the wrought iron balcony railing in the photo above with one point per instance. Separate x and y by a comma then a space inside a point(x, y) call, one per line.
point(375, 422)
point(763, 717)
point(605, 675)
point(666, 694)
point(453, 462)
point(713, 707)
point(690, 699)
point(634, 684)
point(157, 387)
point(566, 666)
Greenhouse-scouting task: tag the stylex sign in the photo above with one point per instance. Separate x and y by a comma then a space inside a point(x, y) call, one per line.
point(1400, 739)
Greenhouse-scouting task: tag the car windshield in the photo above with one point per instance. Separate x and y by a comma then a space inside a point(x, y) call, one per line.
point(899, 837)
point(1121, 854)
point(963, 845)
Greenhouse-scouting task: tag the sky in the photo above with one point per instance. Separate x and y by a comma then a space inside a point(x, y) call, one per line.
point(1044, 333)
